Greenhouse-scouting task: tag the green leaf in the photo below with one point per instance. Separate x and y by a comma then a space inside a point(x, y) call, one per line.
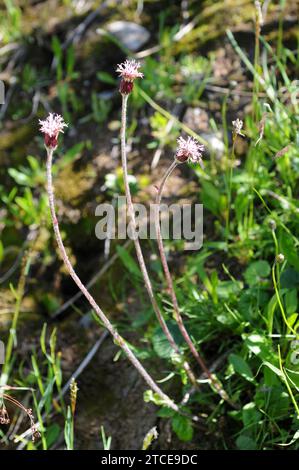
point(289, 250)
point(70, 61)
point(226, 289)
point(47, 396)
point(246, 443)
point(256, 272)
point(259, 345)
point(150, 396)
point(165, 412)
point(69, 430)
point(56, 46)
point(210, 197)
point(43, 339)
point(277, 400)
point(241, 367)
point(250, 303)
point(70, 155)
point(105, 77)
point(289, 279)
point(293, 375)
point(292, 320)
point(161, 344)
point(52, 434)
point(106, 440)
point(182, 426)
point(251, 417)
point(291, 301)
point(274, 369)
point(19, 177)
point(143, 318)
point(37, 374)
point(128, 261)
point(34, 163)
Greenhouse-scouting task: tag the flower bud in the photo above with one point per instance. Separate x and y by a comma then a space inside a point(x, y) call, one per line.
point(279, 258)
point(272, 224)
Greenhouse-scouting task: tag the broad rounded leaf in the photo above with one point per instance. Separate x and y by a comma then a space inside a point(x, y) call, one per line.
point(241, 367)
point(256, 272)
point(182, 426)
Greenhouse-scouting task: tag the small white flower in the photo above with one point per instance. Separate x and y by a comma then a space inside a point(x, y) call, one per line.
point(189, 150)
point(237, 127)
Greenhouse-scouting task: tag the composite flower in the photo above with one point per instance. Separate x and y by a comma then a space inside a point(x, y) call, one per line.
point(51, 127)
point(189, 150)
point(128, 72)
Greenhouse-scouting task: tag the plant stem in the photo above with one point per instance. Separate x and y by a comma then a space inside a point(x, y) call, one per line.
point(256, 65)
point(139, 253)
point(177, 315)
point(230, 172)
point(287, 383)
point(276, 254)
point(118, 339)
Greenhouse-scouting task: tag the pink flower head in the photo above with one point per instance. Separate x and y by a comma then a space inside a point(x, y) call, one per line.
point(128, 71)
point(51, 128)
point(189, 150)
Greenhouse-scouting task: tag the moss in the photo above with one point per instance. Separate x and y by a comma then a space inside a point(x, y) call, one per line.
point(216, 17)
point(71, 185)
point(19, 135)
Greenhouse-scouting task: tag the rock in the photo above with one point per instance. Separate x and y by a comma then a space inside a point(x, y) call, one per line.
point(197, 119)
point(131, 35)
point(216, 144)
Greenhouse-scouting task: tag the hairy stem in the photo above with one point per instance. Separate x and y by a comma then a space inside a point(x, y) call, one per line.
point(118, 339)
point(230, 169)
point(139, 253)
point(177, 315)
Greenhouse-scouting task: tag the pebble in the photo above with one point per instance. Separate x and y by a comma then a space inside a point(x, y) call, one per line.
point(131, 35)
